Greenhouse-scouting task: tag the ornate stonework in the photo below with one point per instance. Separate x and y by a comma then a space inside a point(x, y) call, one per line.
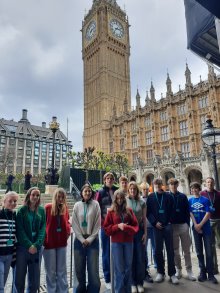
point(162, 138)
point(106, 51)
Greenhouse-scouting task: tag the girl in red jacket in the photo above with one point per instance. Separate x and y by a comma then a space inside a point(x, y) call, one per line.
point(57, 233)
point(121, 224)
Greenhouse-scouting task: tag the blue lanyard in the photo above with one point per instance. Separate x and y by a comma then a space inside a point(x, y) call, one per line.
point(159, 203)
point(134, 207)
point(85, 211)
point(175, 201)
point(10, 226)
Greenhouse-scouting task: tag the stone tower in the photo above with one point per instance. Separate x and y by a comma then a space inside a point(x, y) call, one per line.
point(105, 53)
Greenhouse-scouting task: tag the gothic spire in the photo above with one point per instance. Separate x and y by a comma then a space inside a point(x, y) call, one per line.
point(152, 92)
point(138, 99)
point(169, 85)
point(147, 99)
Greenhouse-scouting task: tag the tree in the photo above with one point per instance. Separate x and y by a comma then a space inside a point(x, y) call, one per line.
point(19, 178)
point(3, 178)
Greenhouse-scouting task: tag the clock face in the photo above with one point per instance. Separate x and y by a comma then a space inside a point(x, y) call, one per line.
point(116, 28)
point(91, 30)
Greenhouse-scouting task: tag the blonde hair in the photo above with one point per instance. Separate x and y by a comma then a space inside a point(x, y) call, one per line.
point(133, 183)
point(55, 208)
point(144, 185)
point(10, 193)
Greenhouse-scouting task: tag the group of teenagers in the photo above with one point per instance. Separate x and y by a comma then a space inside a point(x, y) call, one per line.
point(126, 219)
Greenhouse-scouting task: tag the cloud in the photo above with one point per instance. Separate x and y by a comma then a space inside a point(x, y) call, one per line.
point(41, 66)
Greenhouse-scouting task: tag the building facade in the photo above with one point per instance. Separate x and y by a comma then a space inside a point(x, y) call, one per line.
point(161, 138)
point(24, 146)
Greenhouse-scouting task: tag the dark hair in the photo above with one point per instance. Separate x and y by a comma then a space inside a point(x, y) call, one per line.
point(173, 181)
point(195, 185)
point(89, 186)
point(27, 197)
point(158, 181)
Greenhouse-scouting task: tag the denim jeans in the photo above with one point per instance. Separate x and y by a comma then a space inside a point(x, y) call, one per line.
point(87, 256)
point(162, 236)
point(150, 236)
point(105, 241)
point(138, 263)
point(5, 262)
point(56, 272)
point(26, 260)
point(122, 254)
point(206, 240)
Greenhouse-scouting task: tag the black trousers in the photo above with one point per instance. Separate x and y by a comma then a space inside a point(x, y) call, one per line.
point(162, 236)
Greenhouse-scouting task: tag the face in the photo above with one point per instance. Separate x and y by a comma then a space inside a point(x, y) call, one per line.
point(117, 28)
point(195, 191)
point(60, 199)
point(124, 185)
point(91, 30)
point(145, 191)
point(10, 202)
point(86, 194)
point(173, 187)
point(34, 197)
point(109, 181)
point(120, 200)
point(157, 187)
point(210, 184)
point(132, 191)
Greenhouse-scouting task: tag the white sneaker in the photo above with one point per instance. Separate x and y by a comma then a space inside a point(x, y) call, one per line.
point(159, 278)
point(178, 273)
point(108, 286)
point(133, 289)
point(140, 288)
point(190, 276)
point(174, 280)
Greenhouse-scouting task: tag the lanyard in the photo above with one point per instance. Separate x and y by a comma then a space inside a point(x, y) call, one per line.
point(85, 211)
point(58, 221)
point(159, 203)
point(176, 200)
point(212, 202)
point(134, 205)
point(122, 218)
point(10, 226)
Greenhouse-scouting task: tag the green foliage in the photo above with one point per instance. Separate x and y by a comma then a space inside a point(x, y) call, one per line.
point(3, 178)
point(89, 160)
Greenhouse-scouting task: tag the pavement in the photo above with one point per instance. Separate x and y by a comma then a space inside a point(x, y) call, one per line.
point(184, 284)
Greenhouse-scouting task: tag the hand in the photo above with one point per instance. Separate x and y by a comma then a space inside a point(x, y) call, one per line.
point(121, 226)
point(198, 228)
point(86, 243)
point(144, 238)
point(159, 226)
point(32, 249)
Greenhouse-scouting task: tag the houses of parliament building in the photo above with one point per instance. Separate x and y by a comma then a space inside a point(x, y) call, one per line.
point(162, 138)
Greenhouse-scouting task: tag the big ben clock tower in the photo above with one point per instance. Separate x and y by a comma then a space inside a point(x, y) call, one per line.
point(106, 51)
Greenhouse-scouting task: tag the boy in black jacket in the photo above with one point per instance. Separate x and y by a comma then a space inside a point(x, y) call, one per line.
point(160, 208)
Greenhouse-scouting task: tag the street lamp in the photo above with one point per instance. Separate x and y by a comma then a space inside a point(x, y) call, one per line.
point(54, 126)
point(211, 137)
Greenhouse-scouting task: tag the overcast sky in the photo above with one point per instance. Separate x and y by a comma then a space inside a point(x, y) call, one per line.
point(41, 67)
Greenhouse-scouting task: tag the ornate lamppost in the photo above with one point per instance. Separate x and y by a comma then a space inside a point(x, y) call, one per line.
point(54, 126)
point(211, 137)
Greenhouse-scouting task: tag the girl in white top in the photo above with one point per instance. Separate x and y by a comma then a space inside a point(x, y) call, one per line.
point(86, 223)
